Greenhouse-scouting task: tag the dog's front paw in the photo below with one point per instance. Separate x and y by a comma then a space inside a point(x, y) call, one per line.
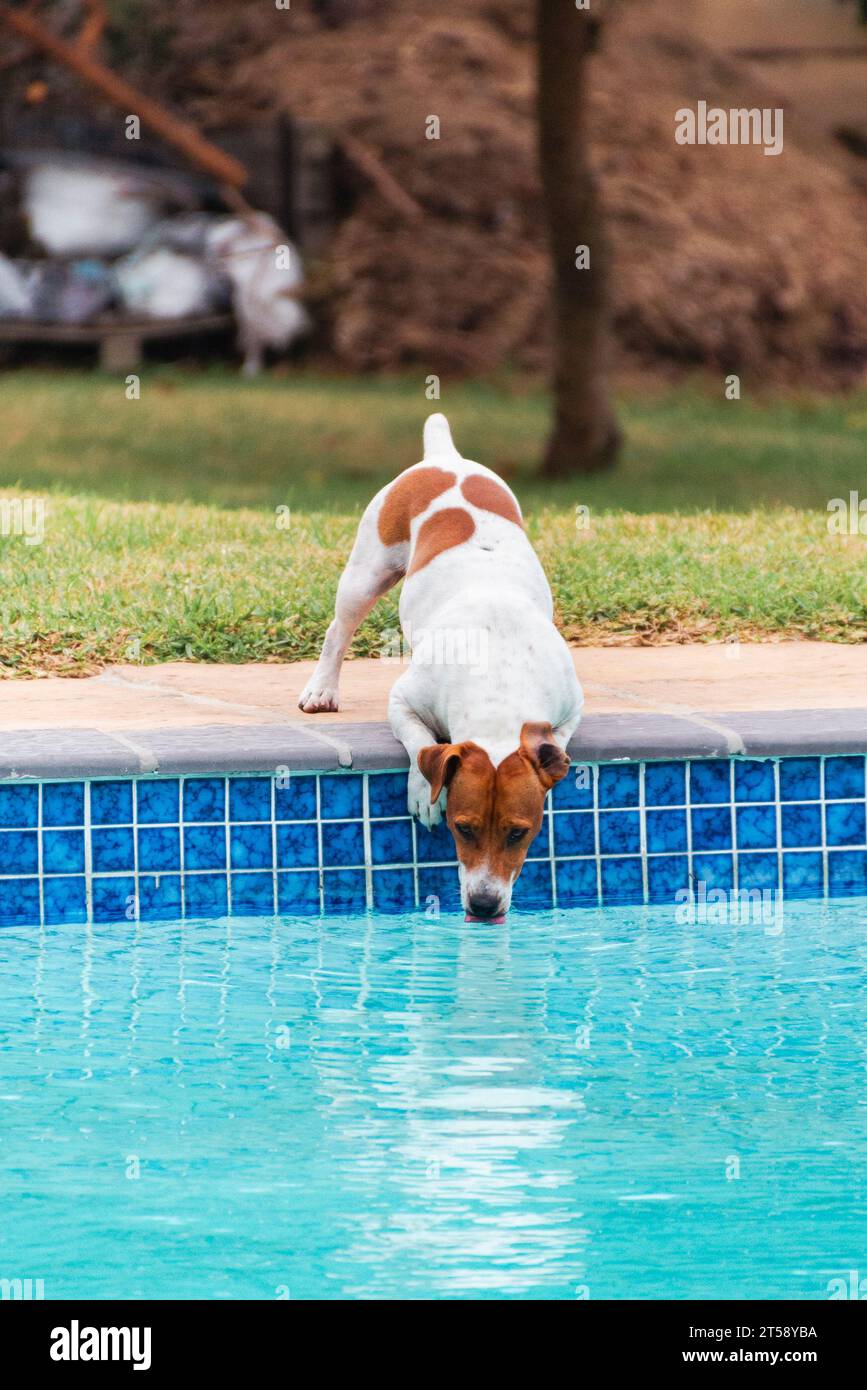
point(419, 802)
point(316, 698)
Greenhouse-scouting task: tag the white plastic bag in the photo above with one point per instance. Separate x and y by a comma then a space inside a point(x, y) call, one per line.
point(16, 290)
point(79, 209)
point(164, 284)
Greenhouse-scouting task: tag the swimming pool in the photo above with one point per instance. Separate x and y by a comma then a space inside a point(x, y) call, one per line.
point(604, 1103)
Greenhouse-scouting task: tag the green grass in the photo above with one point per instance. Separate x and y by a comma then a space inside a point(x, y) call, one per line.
point(162, 538)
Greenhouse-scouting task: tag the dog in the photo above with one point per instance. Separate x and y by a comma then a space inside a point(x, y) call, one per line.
point(486, 737)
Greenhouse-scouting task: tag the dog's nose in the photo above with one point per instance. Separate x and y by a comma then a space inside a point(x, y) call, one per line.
point(485, 904)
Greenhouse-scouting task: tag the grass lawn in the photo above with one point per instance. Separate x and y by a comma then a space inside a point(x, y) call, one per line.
point(162, 535)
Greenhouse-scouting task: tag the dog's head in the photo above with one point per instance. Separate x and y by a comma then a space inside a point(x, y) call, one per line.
point(494, 813)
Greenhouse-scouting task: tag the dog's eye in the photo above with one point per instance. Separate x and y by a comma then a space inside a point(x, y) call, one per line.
point(516, 834)
point(465, 830)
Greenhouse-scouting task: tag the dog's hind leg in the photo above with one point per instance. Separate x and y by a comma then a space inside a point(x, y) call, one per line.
point(371, 570)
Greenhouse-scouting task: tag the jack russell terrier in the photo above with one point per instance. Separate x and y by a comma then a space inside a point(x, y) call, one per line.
point(486, 738)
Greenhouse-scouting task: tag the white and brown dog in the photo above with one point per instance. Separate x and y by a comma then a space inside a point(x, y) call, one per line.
point(486, 736)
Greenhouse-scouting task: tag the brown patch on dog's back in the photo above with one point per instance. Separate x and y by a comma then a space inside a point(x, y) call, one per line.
point(446, 528)
point(407, 497)
point(485, 493)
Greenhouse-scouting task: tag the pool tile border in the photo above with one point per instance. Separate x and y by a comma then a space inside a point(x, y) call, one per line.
point(150, 848)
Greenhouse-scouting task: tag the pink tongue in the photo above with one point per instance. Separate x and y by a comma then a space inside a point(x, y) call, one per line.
point(496, 921)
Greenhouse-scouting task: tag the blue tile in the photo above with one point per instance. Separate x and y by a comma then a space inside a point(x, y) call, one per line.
point(63, 851)
point(63, 803)
point(845, 823)
point(575, 791)
point(622, 881)
point(344, 890)
point(619, 785)
point(297, 846)
point(757, 827)
point(619, 832)
point(19, 852)
point(844, 777)
point(758, 871)
point(711, 829)
point(159, 897)
point(802, 875)
point(799, 779)
point(754, 780)
point(434, 846)
point(540, 848)
point(298, 892)
point(390, 841)
point(204, 847)
point(665, 784)
point(114, 899)
point(157, 802)
point(250, 798)
point(251, 846)
point(204, 799)
point(801, 825)
point(343, 844)
point(533, 886)
point(393, 890)
point(847, 872)
point(297, 801)
point(576, 883)
point(709, 781)
point(65, 899)
point(19, 901)
point(206, 895)
point(666, 831)
point(19, 807)
point(442, 884)
point(713, 870)
point(574, 833)
point(386, 794)
point(252, 894)
point(111, 803)
point(667, 875)
point(159, 850)
point(340, 798)
point(112, 850)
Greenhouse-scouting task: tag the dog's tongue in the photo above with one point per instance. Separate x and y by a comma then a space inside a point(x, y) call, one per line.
point(495, 921)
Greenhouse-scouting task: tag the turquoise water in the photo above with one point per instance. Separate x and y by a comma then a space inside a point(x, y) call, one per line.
point(602, 1104)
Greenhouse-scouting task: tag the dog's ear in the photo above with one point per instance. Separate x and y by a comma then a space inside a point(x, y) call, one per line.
point(439, 762)
point(549, 761)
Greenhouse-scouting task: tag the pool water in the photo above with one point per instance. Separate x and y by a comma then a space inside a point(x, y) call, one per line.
point(603, 1104)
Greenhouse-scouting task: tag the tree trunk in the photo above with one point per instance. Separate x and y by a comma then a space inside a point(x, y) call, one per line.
point(585, 437)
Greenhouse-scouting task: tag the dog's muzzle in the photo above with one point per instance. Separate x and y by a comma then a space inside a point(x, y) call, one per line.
point(485, 906)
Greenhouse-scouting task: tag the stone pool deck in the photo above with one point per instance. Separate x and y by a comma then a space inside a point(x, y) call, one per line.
point(708, 700)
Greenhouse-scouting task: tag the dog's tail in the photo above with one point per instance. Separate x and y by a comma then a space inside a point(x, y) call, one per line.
point(437, 437)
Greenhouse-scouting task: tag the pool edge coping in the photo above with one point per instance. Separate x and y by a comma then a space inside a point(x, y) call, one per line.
point(304, 746)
